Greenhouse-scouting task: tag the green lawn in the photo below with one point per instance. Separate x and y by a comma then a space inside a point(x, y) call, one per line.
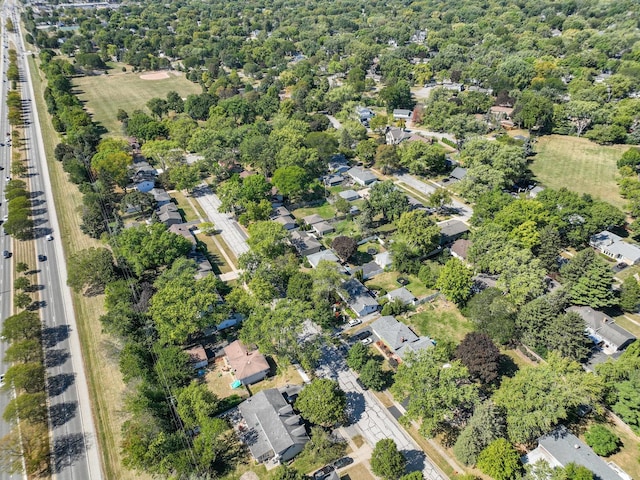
point(105, 94)
point(441, 321)
point(388, 281)
point(579, 165)
point(325, 210)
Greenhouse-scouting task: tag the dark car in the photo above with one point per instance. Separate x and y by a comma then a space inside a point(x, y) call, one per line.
point(619, 267)
point(362, 335)
point(6, 254)
point(323, 473)
point(42, 258)
point(342, 462)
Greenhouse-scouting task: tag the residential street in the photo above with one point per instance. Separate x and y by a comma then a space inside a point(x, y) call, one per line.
point(464, 212)
point(230, 231)
point(368, 415)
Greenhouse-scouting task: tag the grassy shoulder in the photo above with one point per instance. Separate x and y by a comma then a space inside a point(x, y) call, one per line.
point(579, 165)
point(105, 383)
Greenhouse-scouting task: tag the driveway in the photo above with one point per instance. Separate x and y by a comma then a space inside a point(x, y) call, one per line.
point(369, 416)
point(463, 212)
point(230, 231)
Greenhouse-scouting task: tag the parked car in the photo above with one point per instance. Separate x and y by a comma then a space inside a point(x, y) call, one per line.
point(366, 341)
point(6, 254)
point(1, 380)
point(342, 462)
point(362, 335)
point(324, 472)
point(49, 237)
point(41, 258)
point(354, 321)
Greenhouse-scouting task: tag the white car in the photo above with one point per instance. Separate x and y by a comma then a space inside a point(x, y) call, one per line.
point(354, 321)
point(366, 341)
point(49, 237)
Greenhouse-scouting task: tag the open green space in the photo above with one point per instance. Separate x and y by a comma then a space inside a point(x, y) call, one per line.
point(104, 95)
point(579, 165)
point(388, 281)
point(441, 321)
point(325, 210)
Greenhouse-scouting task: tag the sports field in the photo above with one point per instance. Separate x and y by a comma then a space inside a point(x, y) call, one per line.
point(105, 94)
point(579, 165)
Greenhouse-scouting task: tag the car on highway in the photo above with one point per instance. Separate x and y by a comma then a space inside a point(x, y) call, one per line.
point(42, 258)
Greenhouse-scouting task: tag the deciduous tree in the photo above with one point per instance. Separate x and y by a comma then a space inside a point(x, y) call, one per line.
point(387, 461)
point(455, 281)
point(500, 460)
point(322, 402)
point(479, 354)
point(344, 246)
point(419, 230)
point(90, 269)
point(485, 426)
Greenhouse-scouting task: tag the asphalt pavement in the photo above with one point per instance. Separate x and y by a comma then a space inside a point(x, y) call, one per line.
point(370, 417)
point(74, 445)
point(6, 264)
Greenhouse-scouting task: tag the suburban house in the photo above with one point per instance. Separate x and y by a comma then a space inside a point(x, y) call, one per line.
point(304, 243)
point(280, 212)
point(333, 180)
point(403, 295)
point(402, 114)
point(184, 229)
point(614, 247)
point(145, 186)
point(358, 298)
point(315, 258)
point(398, 337)
point(349, 195)
point(460, 249)
point(365, 114)
point(197, 357)
point(311, 219)
point(395, 135)
point(451, 230)
point(287, 221)
point(160, 195)
point(169, 215)
point(561, 447)
point(273, 430)
point(248, 366)
point(370, 270)
point(604, 331)
point(202, 264)
point(501, 115)
point(458, 173)
point(383, 259)
point(322, 228)
point(231, 321)
point(362, 176)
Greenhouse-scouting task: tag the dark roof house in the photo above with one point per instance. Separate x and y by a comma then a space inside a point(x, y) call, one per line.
point(304, 243)
point(604, 330)
point(273, 429)
point(451, 230)
point(399, 337)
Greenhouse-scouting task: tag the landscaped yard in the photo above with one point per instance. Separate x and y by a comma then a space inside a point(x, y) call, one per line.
point(441, 320)
point(578, 164)
point(325, 210)
point(388, 281)
point(105, 94)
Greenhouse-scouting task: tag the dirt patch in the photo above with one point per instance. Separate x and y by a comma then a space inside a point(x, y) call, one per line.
point(154, 76)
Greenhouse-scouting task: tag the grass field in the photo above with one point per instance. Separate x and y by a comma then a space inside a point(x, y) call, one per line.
point(579, 165)
point(441, 320)
point(105, 94)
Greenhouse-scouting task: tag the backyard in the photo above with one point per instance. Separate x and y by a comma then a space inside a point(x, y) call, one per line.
point(578, 164)
point(440, 320)
point(106, 94)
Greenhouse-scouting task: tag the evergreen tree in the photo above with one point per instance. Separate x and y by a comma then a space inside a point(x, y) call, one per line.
point(594, 287)
point(630, 295)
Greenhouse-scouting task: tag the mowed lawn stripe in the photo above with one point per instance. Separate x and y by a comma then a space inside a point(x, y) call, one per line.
point(104, 95)
point(579, 165)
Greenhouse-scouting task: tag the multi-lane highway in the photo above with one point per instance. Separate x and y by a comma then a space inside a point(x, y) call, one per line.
point(6, 287)
point(75, 454)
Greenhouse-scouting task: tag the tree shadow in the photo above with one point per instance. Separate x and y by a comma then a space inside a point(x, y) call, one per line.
point(61, 413)
point(415, 460)
point(57, 384)
point(355, 406)
point(56, 357)
point(507, 367)
point(36, 305)
point(51, 336)
point(66, 450)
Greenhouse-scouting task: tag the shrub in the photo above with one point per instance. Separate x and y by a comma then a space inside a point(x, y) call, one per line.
point(603, 441)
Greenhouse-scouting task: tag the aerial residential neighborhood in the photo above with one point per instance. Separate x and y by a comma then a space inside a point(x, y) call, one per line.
point(326, 240)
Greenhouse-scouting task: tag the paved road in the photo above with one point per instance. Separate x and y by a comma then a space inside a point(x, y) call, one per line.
point(6, 286)
point(230, 231)
point(74, 443)
point(464, 212)
point(369, 415)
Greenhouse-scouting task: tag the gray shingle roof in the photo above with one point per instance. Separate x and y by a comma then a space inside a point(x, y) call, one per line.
point(402, 294)
point(273, 422)
point(604, 327)
point(392, 332)
point(361, 175)
point(358, 296)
